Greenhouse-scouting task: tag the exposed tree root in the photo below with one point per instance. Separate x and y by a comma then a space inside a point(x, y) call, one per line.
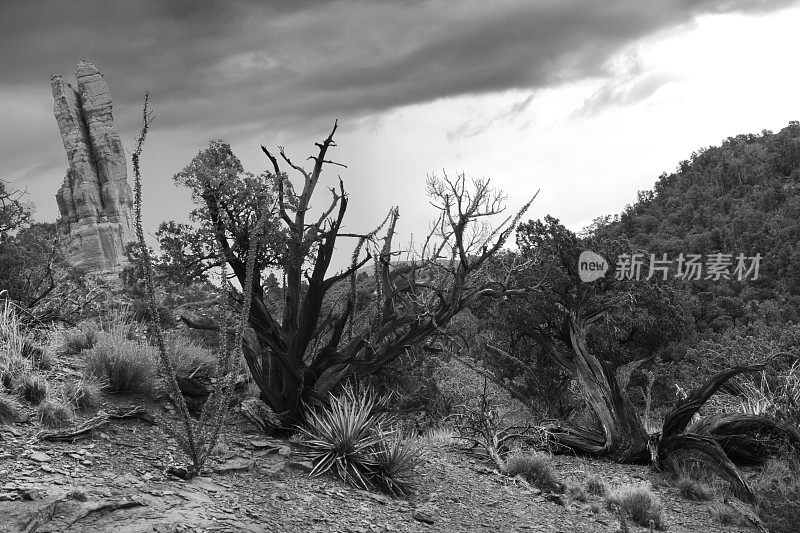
point(747, 439)
point(715, 443)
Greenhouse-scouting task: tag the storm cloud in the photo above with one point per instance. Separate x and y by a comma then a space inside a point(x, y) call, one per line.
point(278, 69)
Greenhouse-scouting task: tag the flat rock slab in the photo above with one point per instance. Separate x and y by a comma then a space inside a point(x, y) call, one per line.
point(40, 457)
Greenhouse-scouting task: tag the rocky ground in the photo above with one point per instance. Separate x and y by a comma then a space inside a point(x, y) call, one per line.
point(113, 480)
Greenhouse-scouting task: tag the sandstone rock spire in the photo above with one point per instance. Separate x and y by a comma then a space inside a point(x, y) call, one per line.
point(95, 200)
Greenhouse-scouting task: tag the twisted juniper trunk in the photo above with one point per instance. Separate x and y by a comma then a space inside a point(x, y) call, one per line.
point(625, 436)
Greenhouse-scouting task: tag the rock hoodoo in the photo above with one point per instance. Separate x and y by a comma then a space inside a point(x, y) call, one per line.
point(95, 199)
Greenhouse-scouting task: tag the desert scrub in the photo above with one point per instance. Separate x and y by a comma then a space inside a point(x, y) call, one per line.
point(55, 414)
point(9, 409)
point(596, 486)
point(124, 365)
point(33, 388)
point(84, 394)
point(694, 490)
point(536, 468)
point(639, 504)
point(351, 439)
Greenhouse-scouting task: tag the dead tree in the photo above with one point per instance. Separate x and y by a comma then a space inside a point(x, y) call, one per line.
point(304, 354)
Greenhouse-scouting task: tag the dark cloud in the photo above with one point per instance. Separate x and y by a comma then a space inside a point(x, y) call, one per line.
point(215, 67)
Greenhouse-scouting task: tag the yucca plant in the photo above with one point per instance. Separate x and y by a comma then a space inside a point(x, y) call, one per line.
point(396, 462)
point(351, 438)
point(342, 437)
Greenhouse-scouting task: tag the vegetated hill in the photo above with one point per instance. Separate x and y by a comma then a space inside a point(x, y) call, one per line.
point(740, 197)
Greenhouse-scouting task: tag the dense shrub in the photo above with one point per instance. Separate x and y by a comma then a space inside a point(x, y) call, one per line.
point(124, 365)
point(639, 504)
point(536, 468)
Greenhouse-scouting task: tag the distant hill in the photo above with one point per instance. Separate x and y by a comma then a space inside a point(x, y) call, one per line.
point(740, 197)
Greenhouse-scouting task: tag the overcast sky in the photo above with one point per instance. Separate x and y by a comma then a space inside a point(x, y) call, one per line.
point(588, 101)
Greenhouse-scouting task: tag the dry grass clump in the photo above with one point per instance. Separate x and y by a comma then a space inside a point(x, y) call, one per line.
point(13, 342)
point(577, 493)
point(596, 486)
point(33, 388)
point(438, 436)
point(85, 394)
point(9, 409)
point(55, 414)
point(80, 338)
point(536, 468)
point(694, 490)
point(124, 365)
point(190, 358)
point(725, 516)
point(639, 504)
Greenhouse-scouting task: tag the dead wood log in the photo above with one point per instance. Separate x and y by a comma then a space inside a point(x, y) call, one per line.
point(96, 422)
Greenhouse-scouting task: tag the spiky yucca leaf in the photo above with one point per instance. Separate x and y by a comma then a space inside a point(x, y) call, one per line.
point(397, 460)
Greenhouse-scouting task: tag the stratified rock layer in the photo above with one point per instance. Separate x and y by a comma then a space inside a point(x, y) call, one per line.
point(95, 199)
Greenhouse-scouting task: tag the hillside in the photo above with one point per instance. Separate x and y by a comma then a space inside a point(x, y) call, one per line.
point(740, 197)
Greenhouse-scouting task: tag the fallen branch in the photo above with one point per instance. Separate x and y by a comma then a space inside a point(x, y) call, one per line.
point(90, 425)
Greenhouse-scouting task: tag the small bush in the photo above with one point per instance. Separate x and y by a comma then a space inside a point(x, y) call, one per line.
point(9, 409)
point(85, 394)
point(33, 388)
point(641, 505)
point(596, 486)
point(535, 468)
point(125, 365)
point(694, 490)
point(55, 414)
